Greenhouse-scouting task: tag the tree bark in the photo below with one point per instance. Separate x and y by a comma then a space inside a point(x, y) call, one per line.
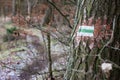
point(84, 64)
point(49, 57)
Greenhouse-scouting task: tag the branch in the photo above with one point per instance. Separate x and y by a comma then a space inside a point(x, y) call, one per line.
point(39, 73)
point(110, 41)
point(57, 38)
point(77, 18)
point(60, 13)
point(113, 48)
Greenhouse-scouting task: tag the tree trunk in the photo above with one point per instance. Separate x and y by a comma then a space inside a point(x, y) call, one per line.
point(115, 53)
point(49, 57)
point(85, 62)
point(29, 7)
point(13, 7)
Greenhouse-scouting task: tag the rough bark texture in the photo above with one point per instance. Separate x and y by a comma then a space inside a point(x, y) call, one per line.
point(84, 63)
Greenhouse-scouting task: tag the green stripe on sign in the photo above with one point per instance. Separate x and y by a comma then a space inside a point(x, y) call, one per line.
point(86, 30)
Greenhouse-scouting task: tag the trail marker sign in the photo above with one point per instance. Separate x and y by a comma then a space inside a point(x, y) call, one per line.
point(85, 31)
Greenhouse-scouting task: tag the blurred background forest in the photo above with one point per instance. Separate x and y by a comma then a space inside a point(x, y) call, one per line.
point(41, 40)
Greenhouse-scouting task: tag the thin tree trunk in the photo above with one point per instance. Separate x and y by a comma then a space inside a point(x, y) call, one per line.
point(29, 7)
point(49, 57)
point(13, 7)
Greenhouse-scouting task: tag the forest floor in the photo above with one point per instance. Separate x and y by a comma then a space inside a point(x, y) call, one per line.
point(11, 52)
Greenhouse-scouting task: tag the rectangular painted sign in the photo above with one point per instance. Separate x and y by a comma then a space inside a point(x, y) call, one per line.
point(85, 31)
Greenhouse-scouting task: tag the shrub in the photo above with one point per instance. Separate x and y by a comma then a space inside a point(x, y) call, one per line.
point(9, 34)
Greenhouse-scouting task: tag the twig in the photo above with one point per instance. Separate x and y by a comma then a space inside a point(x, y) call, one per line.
point(44, 30)
point(113, 48)
point(117, 66)
point(82, 71)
